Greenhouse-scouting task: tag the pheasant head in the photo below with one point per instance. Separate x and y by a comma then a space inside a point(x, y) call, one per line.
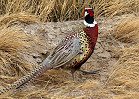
point(89, 17)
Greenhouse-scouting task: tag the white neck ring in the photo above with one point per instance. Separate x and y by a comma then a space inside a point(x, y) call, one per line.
point(90, 25)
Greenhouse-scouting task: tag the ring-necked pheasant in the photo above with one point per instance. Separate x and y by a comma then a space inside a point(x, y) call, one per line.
point(71, 52)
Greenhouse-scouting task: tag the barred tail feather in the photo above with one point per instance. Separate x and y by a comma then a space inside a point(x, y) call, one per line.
point(37, 72)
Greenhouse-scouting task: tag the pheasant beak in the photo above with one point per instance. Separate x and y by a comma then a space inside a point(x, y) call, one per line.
point(84, 14)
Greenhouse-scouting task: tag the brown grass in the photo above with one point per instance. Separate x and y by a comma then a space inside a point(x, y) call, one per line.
point(11, 43)
point(127, 30)
point(60, 10)
point(124, 79)
point(123, 83)
point(119, 7)
point(12, 19)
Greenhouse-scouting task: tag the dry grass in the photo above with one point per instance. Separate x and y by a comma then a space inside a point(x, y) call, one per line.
point(124, 79)
point(12, 65)
point(123, 82)
point(11, 44)
point(60, 10)
point(12, 19)
point(127, 30)
point(119, 7)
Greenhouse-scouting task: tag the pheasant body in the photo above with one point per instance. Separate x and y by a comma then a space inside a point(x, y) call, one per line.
point(74, 49)
point(71, 52)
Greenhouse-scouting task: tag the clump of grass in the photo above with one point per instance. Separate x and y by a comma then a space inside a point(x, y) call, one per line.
point(11, 42)
point(127, 30)
point(120, 7)
point(124, 80)
point(8, 20)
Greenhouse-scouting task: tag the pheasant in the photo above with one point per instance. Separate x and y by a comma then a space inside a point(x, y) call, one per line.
point(71, 52)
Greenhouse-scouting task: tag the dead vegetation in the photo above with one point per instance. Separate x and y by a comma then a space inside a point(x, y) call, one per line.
point(124, 79)
point(121, 22)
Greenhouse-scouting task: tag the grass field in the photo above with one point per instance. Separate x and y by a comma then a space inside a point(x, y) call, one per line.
point(118, 22)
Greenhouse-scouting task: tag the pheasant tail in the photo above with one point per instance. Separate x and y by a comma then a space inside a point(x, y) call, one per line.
point(38, 71)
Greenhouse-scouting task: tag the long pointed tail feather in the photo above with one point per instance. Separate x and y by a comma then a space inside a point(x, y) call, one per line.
point(38, 71)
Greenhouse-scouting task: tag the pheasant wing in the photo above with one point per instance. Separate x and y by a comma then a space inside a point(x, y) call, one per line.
point(66, 50)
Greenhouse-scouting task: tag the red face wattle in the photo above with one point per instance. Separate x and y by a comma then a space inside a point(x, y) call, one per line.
point(90, 11)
